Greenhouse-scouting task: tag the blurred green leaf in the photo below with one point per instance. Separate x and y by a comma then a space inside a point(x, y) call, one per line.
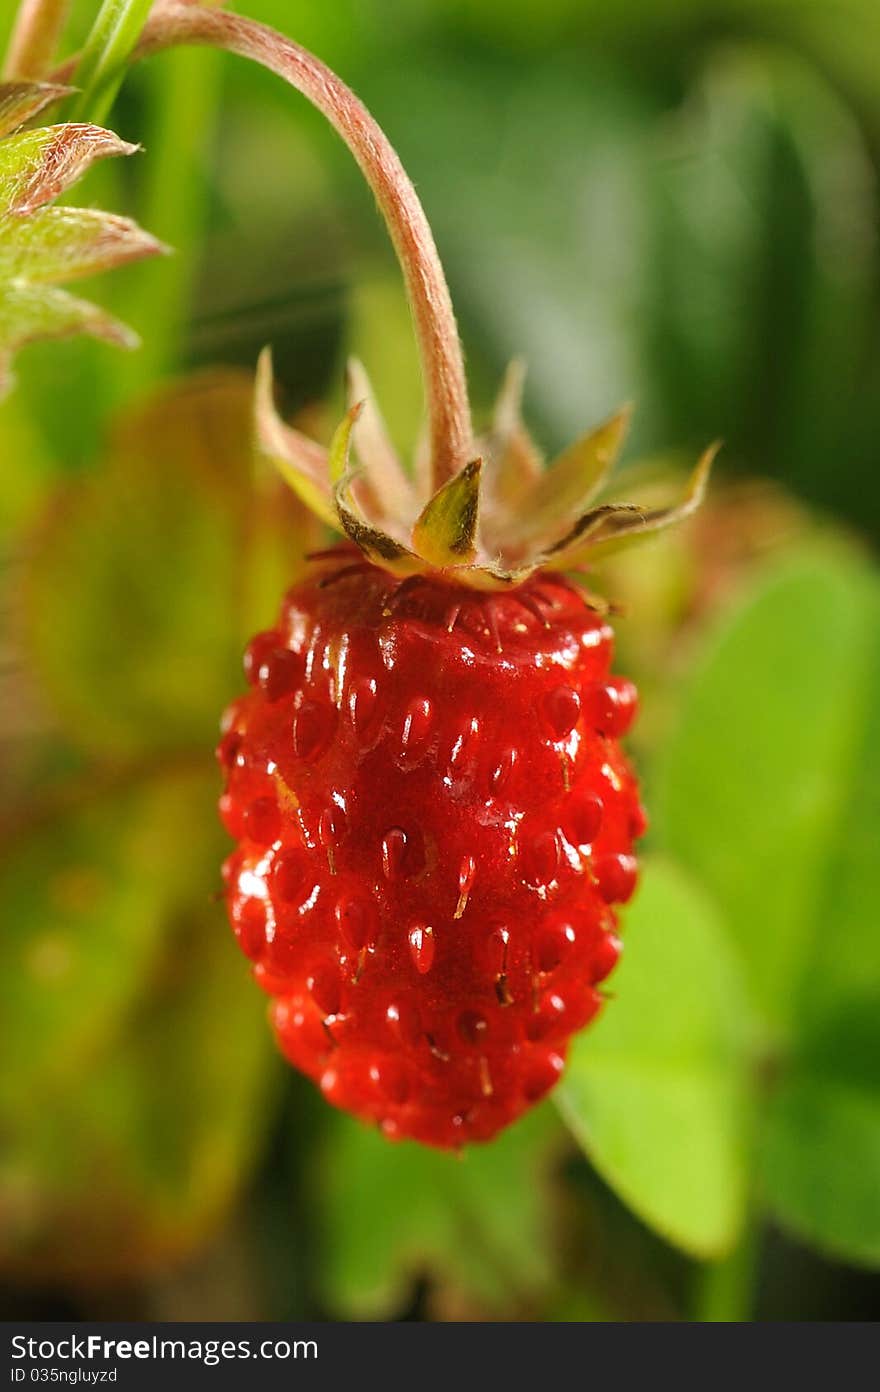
point(550, 260)
point(845, 957)
point(656, 1090)
point(823, 1148)
point(40, 245)
point(478, 1221)
point(139, 1101)
point(752, 782)
point(86, 890)
point(139, 1096)
point(178, 553)
point(769, 788)
point(28, 467)
point(765, 265)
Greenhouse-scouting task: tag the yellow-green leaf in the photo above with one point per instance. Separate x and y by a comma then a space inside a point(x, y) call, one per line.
point(132, 1116)
point(478, 1222)
point(31, 313)
point(58, 244)
point(148, 576)
point(656, 1090)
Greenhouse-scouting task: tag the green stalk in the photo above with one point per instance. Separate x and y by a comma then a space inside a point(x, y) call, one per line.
point(108, 48)
point(35, 37)
point(725, 1290)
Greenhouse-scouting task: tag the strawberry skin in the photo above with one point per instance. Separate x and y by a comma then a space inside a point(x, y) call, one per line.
point(434, 820)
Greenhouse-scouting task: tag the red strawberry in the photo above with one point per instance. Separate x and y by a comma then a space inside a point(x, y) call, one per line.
point(434, 818)
point(432, 812)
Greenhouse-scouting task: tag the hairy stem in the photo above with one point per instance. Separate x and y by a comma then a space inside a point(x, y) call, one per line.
point(101, 69)
point(449, 420)
point(35, 38)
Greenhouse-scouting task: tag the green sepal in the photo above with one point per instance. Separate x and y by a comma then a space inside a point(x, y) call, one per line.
point(556, 502)
point(445, 531)
point(513, 462)
point(385, 485)
point(340, 445)
point(611, 527)
point(300, 461)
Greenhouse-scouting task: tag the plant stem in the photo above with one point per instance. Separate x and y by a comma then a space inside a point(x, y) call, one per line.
point(449, 419)
point(108, 48)
point(35, 37)
point(725, 1290)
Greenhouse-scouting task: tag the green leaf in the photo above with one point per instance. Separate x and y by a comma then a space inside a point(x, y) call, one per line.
point(770, 790)
point(845, 956)
point(821, 1157)
point(393, 1212)
point(141, 587)
point(754, 780)
point(823, 1148)
point(132, 1117)
point(40, 245)
point(84, 906)
point(37, 166)
point(56, 244)
point(30, 313)
point(655, 1090)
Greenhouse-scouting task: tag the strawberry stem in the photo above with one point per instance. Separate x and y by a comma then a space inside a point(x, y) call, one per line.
point(35, 37)
point(101, 69)
point(449, 421)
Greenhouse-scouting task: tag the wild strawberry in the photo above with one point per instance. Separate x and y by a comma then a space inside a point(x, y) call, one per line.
point(433, 814)
point(434, 820)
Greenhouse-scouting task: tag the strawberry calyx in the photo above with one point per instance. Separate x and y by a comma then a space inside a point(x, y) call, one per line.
point(500, 518)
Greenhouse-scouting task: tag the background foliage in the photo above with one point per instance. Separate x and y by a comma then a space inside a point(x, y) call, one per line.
point(672, 202)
